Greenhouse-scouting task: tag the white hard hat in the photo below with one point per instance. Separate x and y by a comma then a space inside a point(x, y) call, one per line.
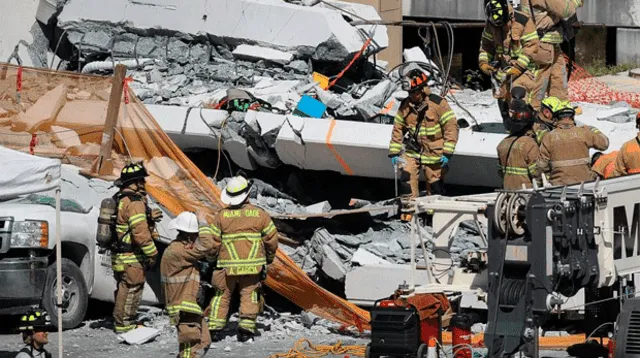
point(186, 222)
point(236, 191)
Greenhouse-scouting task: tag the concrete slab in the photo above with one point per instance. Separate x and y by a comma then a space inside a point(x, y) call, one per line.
point(65, 137)
point(318, 208)
point(43, 113)
point(623, 83)
point(255, 53)
point(363, 257)
point(20, 29)
point(140, 335)
point(363, 285)
point(627, 42)
point(269, 23)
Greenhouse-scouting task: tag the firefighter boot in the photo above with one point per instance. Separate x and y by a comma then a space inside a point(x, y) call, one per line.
point(216, 335)
point(244, 335)
point(437, 188)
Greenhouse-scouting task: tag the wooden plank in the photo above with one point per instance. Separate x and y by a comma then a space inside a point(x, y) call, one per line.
point(103, 164)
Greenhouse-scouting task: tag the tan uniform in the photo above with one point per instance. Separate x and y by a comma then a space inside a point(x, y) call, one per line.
point(551, 77)
point(180, 284)
point(565, 152)
point(437, 136)
point(517, 41)
point(628, 159)
point(245, 240)
point(518, 157)
point(605, 165)
point(135, 247)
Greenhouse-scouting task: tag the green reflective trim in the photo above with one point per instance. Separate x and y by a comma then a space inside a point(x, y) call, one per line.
point(254, 250)
point(216, 230)
point(516, 171)
point(430, 131)
point(149, 249)
point(121, 229)
point(447, 116)
point(240, 263)
point(595, 130)
point(487, 36)
point(552, 37)
point(136, 219)
point(127, 239)
point(398, 120)
point(530, 36)
point(524, 61)
point(123, 329)
point(423, 158)
point(231, 249)
point(532, 168)
point(394, 145)
point(269, 229)
point(205, 230)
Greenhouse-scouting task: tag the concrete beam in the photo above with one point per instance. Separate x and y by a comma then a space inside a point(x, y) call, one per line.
point(269, 23)
point(363, 285)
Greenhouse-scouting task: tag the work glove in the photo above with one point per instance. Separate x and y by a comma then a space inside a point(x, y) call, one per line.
point(154, 234)
point(156, 215)
point(263, 273)
point(395, 160)
point(487, 69)
point(444, 161)
point(149, 262)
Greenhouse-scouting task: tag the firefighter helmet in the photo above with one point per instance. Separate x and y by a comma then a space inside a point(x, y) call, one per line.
point(35, 320)
point(566, 110)
point(236, 191)
point(415, 80)
point(497, 12)
point(186, 221)
point(130, 173)
point(521, 116)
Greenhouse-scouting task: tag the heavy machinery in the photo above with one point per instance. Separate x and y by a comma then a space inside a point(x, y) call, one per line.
point(545, 245)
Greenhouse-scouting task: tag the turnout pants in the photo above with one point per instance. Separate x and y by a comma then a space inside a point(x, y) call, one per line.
point(225, 285)
point(128, 294)
point(193, 335)
point(551, 77)
point(410, 177)
point(526, 81)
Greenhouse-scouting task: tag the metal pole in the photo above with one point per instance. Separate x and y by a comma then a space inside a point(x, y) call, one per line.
point(59, 271)
point(413, 252)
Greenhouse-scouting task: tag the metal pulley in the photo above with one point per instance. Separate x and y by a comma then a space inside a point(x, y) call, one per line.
point(500, 212)
point(515, 210)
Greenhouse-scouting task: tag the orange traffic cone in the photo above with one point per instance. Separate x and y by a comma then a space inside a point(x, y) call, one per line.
point(431, 350)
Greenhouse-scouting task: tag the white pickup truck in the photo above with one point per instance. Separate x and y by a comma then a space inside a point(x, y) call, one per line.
point(27, 251)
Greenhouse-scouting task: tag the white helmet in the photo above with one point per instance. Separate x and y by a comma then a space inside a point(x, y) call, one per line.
point(236, 191)
point(186, 222)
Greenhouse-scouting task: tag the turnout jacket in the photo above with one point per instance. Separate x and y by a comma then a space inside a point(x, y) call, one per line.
point(243, 238)
point(437, 134)
point(628, 158)
point(565, 152)
point(518, 156)
point(605, 165)
point(135, 241)
point(180, 279)
point(516, 41)
point(548, 14)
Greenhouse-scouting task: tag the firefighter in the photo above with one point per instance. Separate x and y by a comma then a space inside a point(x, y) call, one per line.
point(134, 250)
point(544, 120)
point(518, 153)
point(507, 49)
point(246, 241)
point(180, 282)
point(551, 22)
point(35, 326)
point(564, 152)
point(628, 159)
point(604, 165)
point(428, 129)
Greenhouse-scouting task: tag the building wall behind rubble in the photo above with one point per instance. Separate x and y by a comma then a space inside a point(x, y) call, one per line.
point(389, 10)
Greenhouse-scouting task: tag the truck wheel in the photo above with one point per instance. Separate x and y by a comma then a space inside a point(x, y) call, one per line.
point(75, 296)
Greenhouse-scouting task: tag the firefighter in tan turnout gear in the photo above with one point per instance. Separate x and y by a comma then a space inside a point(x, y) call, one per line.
point(628, 158)
point(134, 250)
point(245, 241)
point(518, 153)
point(427, 129)
point(564, 152)
point(180, 283)
point(507, 50)
point(551, 17)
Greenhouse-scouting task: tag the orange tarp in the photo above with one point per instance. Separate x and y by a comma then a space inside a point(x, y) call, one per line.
point(61, 114)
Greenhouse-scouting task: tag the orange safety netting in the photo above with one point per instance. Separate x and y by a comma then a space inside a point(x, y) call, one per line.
point(583, 87)
point(62, 114)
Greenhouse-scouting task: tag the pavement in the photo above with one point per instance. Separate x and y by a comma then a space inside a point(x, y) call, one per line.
point(622, 82)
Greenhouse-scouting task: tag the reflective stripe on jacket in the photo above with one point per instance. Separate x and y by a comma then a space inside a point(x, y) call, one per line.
point(133, 232)
point(438, 133)
point(180, 279)
point(517, 158)
point(246, 239)
point(548, 14)
point(628, 158)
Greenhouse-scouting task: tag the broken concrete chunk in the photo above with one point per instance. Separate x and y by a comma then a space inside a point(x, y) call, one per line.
point(43, 113)
point(83, 95)
point(140, 335)
point(254, 53)
point(616, 115)
point(363, 257)
point(65, 137)
point(308, 319)
point(319, 208)
point(298, 66)
point(332, 265)
point(3, 113)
